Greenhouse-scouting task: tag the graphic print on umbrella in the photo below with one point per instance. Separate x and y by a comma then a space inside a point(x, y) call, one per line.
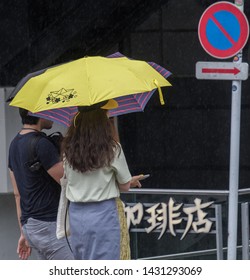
point(93, 79)
point(62, 95)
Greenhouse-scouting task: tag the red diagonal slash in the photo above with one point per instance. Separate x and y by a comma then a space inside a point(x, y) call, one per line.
point(234, 70)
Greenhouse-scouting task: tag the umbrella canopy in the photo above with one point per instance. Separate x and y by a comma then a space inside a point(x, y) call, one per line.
point(135, 102)
point(85, 82)
point(62, 116)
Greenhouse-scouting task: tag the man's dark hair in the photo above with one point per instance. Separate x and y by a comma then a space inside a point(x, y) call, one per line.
point(26, 119)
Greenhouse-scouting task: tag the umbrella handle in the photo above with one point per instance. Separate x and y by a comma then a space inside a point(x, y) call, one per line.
point(75, 118)
point(160, 92)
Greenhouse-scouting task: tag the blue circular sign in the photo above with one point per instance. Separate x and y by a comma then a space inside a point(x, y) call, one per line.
point(223, 30)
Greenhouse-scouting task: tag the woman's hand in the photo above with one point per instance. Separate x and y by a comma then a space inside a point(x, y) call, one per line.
point(135, 181)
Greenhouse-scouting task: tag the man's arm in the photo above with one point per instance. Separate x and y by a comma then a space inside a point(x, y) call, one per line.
point(23, 248)
point(56, 171)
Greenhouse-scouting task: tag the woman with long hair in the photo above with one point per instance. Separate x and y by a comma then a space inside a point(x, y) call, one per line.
point(97, 171)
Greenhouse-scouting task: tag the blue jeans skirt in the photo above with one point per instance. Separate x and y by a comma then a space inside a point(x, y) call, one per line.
point(99, 230)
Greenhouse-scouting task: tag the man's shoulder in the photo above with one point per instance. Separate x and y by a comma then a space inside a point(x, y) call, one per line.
point(19, 139)
point(43, 141)
point(37, 138)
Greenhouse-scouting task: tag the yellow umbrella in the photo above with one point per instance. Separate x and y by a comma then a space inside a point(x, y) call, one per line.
point(87, 81)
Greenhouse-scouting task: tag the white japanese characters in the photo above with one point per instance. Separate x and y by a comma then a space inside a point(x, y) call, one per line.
point(163, 217)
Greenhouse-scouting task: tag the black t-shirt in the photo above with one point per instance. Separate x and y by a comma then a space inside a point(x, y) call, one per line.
point(39, 192)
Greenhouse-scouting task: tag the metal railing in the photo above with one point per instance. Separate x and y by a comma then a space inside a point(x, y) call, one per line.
point(218, 220)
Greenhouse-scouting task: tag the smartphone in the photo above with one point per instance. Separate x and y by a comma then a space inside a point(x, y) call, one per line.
point(145, 177)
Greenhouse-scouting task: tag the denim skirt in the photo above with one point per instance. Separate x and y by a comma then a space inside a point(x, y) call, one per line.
point(98, 230)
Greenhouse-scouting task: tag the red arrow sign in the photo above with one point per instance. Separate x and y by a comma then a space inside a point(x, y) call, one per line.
point(234, 70)
point(221, 70)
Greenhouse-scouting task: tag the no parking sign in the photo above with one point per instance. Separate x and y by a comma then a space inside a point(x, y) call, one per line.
point(223, 30)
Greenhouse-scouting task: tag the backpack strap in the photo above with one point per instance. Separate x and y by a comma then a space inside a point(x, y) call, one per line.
point(34, 163)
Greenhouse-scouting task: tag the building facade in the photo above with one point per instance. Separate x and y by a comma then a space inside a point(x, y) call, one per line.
point(183, 145)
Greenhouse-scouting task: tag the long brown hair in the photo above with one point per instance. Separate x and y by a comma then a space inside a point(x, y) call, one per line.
point(89, 143)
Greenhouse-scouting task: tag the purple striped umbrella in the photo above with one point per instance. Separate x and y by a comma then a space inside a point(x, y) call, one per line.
point(126, 104)
point(62, 116)
point(135, 102)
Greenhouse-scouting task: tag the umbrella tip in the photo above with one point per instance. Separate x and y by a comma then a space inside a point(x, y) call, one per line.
point(9, 99)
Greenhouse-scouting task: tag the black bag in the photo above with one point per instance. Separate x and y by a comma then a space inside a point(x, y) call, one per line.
point(34, 163)
point(56, 138)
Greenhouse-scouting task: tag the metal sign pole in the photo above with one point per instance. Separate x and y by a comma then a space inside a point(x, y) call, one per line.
point(234, 161)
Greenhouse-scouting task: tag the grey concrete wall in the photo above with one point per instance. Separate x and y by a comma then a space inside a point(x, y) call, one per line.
point(9, 229)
